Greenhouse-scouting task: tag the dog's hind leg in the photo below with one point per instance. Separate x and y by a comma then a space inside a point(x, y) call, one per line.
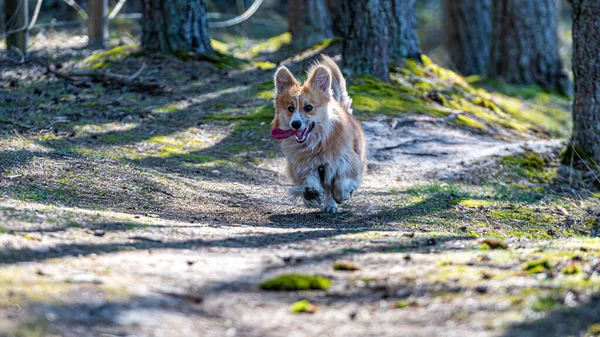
point(343, 188)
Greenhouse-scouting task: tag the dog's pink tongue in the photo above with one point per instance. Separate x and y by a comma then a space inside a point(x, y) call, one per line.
point(278, 133)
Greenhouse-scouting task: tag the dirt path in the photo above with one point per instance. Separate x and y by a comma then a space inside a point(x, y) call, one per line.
point(111, 273)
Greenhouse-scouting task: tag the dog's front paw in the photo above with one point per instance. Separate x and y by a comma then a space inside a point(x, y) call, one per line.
point(312, 197)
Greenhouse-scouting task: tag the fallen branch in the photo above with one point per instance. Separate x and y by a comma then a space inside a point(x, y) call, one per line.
point(397, 122)
point(100, 76)
point(410, 142)
point(23, 126)
point(60, 121)
point(425, 154)
point(142, 238)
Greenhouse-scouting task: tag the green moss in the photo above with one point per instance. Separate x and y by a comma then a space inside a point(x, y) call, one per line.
point(291, 282)
point(38, 194)
point(544, 304)
point(401, 304)
point(529, 161)
point(264, 65)
point(263, 114)
point(303, 306)
point(578, 154)
point(476, 203)
point(424, 87)
point(572, 269)
point(594, 329)
point(103, 59)
point(537, 266)
point(494, 244)
point(371, 97)
point(269, 46)
point(469, 122)
point(344, 265)
point(219, 46)
point(221, 61)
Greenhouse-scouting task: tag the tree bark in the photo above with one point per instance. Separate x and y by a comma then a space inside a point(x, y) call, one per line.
point(365, 35)
point(403, 39)
point(586, 73)
point(525, 44)
point(175, 25)
point(309, 21)
point(467, 31)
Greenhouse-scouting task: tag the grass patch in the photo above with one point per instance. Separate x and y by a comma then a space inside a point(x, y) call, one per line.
point(291, 282)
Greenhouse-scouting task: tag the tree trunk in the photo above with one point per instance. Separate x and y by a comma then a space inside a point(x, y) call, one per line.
point(525, 44)
point(403, 40)
point(175, 25)
point(364, 30)
point(309, 21)
point(586, 73)
point(467, 32)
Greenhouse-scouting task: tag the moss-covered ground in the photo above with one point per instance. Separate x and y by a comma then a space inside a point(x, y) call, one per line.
point(125, 213)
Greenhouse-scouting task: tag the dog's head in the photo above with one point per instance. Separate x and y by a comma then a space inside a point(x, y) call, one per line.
point(302, 109)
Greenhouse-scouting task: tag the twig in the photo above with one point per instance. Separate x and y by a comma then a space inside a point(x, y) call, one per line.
point(101, 76)
point(409, 142)
point(424, 154)
point(24, 126)
point(60, 121)
point(423, 119)
point(190, 296)
point(142, 238)
point(138, 73)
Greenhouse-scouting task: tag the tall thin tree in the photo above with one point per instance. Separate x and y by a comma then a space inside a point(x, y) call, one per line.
point(586, 73)
point(363, 24)
point(309, 21)
point(525, 44)
point(175, 25)
point(403, 40)
point(467, 31)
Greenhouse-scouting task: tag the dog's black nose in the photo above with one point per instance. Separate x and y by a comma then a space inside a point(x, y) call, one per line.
point(296, 124)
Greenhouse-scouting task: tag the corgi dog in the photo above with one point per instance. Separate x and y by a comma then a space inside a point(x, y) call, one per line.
point(322, 141)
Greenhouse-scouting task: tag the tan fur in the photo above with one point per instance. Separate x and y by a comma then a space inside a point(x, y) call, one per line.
point(337, 140)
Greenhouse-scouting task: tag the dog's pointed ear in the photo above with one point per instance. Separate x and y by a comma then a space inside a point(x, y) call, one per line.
point(284, 80)
point(320, 80)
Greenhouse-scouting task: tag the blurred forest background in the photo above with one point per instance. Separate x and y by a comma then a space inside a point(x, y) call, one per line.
point(271, 19)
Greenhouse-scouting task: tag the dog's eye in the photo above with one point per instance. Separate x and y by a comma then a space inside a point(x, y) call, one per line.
point(308, 108)
point(291, 108)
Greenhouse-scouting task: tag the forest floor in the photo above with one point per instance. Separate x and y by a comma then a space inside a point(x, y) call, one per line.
point(129, 214)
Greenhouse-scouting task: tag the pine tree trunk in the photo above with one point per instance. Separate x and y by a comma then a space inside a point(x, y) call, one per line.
point(175, 25)
point(364, 30)
point(402, 30)
point(525, 44)
point(309, 21)
point(467, 31)
point(586, 73)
